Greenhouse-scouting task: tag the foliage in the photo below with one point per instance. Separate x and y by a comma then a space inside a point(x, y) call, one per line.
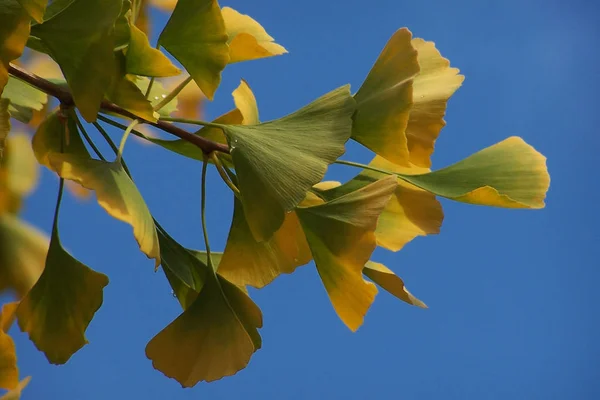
point(94, 59)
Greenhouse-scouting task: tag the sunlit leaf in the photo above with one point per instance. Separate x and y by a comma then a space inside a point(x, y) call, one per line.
point(195, 35)
point(7, 315)
point(77, 190)
point(9, 373)
point(116, 193)
point(24, 99)
point(15, 394)
point(143, 59)
point(432, 88)
point(143, 21)
point(341, 237)
point(248, 262)
point(22, 169)
point(277, 162)
point(248, 40)
point(14, 31)
point(509, 174)
point(127, 95)
point(157, 93)
point(385, 98)
point(386, 279)
point(35, 8)
point(59, 307)
point(23, 250)
point(164, 5)
point(214, 337)
point(81, 39)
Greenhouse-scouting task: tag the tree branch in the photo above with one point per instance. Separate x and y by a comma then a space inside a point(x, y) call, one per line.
point(66, 98)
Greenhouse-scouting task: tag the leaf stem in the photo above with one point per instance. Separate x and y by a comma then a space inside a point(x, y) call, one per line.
point(124, 138)
point(112, 145)
point(404, 177)
point(167, 99)
point(88, 139)
point(223, 174)
point(193, 122)
point(203, 213)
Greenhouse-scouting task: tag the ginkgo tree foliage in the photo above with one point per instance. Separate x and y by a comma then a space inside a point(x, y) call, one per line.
point(101, 70)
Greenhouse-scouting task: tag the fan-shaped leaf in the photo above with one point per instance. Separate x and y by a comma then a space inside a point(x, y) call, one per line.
point(157, 93)
point(9, 372)
point(341, 237)
point(195, 35)
point(24, 99)
point(277, 162)
point(248, 40)
point(385, 98)
point(18, 172)
point(61, 304)
point(7, 315)
point(386, 279)
point(35, 8)
point(509, 174)
point(432, 88)
point(143, 59)
point(81, 39)
point(14, 32)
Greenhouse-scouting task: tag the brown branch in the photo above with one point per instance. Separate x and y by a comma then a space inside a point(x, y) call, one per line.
point(66, 99)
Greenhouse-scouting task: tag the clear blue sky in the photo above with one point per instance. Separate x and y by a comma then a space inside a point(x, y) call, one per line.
point(512, 294)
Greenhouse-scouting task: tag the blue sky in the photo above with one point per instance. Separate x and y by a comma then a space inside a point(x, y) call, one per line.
point(512, 293)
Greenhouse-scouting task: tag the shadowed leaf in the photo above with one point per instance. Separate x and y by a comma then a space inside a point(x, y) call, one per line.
point(9, 372)
point(14, 32)
point(248, 40)
point(35, 8)
point(19, 172)
point(61, 304)
point(277, 162)
point(195, 35)
point(143, 59)
point(4, 125)
point(509, 174)
point(341, 237)
point(24, 99)
point(384, 100)
point(390, 282)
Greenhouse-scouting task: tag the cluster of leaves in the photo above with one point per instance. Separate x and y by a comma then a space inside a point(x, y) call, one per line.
point(284, 215)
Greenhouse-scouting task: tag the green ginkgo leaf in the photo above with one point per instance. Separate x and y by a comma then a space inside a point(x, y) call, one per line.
point(341, 236)
point(248, 40)
point(195, 35)
point(59, 307)
point(387, 280)
point(24, 98)
point(384, 100)
point(248, 262)
point(4, 125)
point(432, 88)
point(81, 39)
point(156, 95)
point(509, 174)
point(14, 32)
point(23, 250)
point(35, 8)
point(277, 162)
point(143, 59)
point(116, 193)
point(214, 337)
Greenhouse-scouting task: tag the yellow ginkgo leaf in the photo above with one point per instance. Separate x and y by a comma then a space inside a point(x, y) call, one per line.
point(214, 337)
point(77, 190)
point(7, 315)
point(21, 167)
point(23, 251)
point(143, 59)
point(341, 236)
point(509, 174)
point(164, 5)
point(248, 262)
point(15, 394)
point(9, 372)
point(386, 279)
point(116, 193)
point(385, 98)
point(14, 32)
point(432, 88)
point(195, 35)
point(248, 40)
point(61, 304)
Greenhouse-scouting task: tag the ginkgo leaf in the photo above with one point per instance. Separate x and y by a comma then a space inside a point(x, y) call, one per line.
point(384, 100)
point(80, 38)
point(248, 262)
point(9, 372)
point(214, 337)
point(277, 162)
point(164, 5)
point(432, 88)
point(58, 133)
point(195, 35)
point(509, 174)
point(246, 102)
point(4, 125)
point(143, 59)
point(127, 95)
point(35, 8)
point(22, 169)
point(24, 99)
point(122, 33)
point(411, 211)
point(23, 250)
point(14, 32)
point(7, 315)
point(248, 40)
point(59, 307)
point(157, 93)
point(341, 237)
point(387, 280)
point(116, 193)
point(15, 394)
